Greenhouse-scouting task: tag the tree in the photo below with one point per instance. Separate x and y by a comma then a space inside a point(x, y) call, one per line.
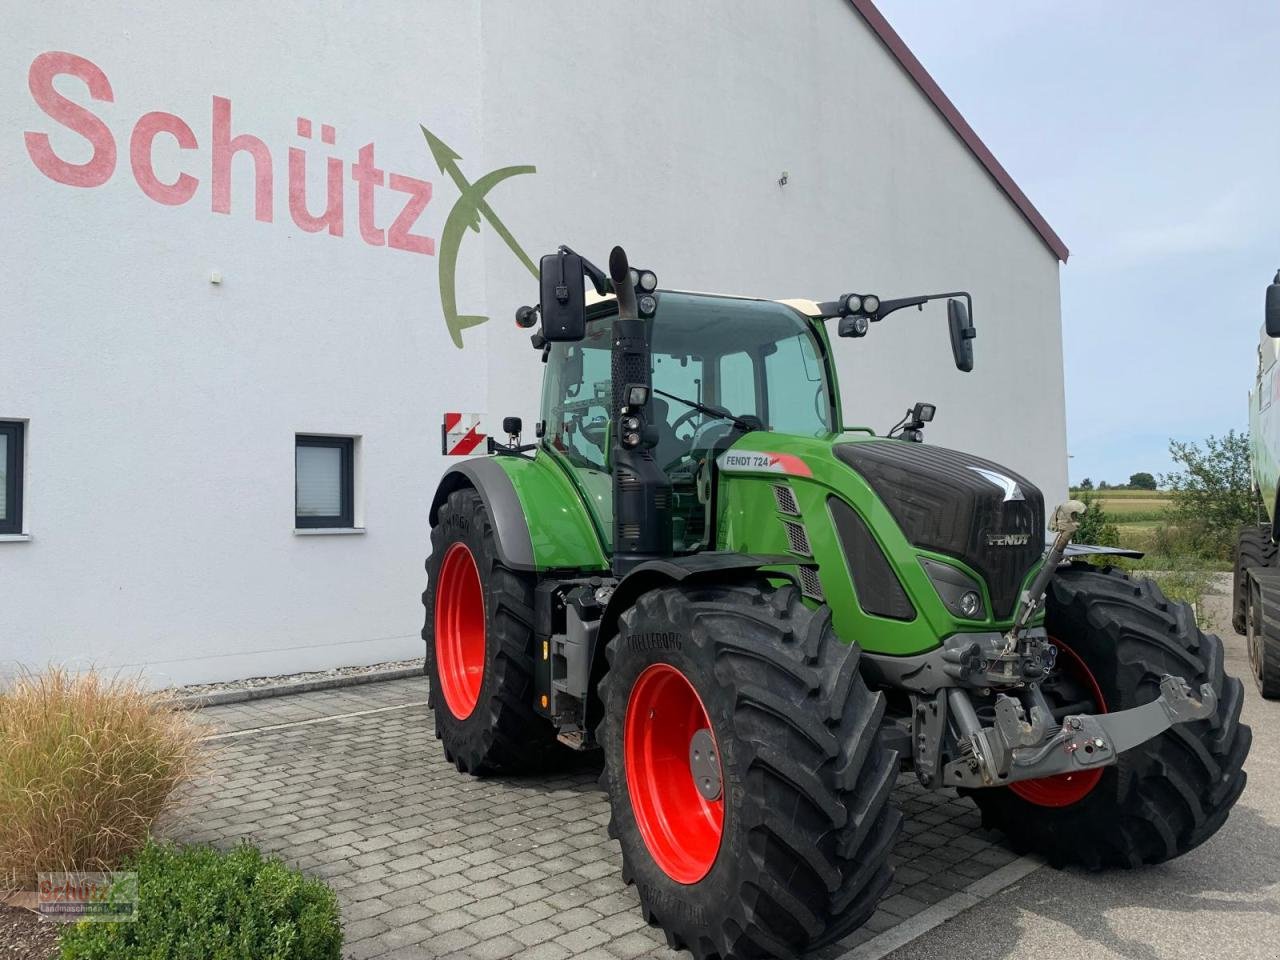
point(1142, 481)
point(1103, 485)
point(1086, 484)
point(1213, 493)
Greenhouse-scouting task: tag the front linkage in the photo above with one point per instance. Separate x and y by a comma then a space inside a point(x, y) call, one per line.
point(952, 747)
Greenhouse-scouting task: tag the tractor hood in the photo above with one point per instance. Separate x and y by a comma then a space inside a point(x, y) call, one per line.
point(959, 505)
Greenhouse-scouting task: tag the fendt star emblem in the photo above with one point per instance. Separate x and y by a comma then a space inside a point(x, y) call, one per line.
point(468, 211)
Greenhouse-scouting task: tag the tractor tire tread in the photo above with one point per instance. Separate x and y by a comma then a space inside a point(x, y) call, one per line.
point(815, 866)
point(513, 738)
point(1266, 658)
point(1254, 548)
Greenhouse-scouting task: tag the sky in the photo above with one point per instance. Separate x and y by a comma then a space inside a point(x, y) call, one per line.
point(1148, 134)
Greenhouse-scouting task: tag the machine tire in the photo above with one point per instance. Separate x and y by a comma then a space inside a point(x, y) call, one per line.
point(502, 733)
point(1263, 632)
point(801, 857)
point(1254, 548)
point(1167, 795)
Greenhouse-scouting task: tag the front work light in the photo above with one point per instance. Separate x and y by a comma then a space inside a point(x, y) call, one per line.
point(648, 281)
point(959, 592)
point(870, 303)
point(852, 303)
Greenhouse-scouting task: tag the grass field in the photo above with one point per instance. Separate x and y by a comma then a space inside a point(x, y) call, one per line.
point(1137, 513)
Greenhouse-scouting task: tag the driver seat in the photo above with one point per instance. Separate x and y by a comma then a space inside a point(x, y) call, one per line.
point(669, 446)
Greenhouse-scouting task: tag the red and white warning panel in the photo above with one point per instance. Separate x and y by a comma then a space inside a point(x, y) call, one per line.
point(460, 434)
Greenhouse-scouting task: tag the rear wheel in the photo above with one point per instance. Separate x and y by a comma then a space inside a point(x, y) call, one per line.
point(1119, 637)
point(1254, 548)
point(479, 636)
point(1263, 632)
point(748, 786)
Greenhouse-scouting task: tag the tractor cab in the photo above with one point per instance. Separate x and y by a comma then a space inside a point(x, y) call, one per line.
point(721, 367)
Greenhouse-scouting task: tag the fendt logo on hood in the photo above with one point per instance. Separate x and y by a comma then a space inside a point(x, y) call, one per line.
point(1009, 485)
point(1008, 539)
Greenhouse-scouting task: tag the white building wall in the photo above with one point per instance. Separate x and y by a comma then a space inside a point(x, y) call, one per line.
point(162, 407)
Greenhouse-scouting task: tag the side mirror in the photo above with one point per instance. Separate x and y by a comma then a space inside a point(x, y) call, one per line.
point(962, 334)
point(1273, 307)
point(564, 301)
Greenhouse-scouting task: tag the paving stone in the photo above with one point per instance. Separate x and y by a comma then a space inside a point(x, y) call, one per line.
point(430, 863)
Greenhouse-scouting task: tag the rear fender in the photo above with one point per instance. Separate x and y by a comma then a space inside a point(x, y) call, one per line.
point(540, 522)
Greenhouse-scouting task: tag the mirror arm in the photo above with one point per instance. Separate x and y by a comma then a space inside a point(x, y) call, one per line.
point(889, 306)
point(830, 309)
point(598, 278)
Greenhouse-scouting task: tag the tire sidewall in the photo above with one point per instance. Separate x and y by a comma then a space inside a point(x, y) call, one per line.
point(644, 641)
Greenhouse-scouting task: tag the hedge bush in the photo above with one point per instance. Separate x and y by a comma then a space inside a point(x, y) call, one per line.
point(198, 903)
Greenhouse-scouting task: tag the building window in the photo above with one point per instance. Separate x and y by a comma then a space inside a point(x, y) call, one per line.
point(11, 437)
point(324, 482)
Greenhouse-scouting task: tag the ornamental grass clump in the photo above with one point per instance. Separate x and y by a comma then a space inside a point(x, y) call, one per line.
point(86, 766)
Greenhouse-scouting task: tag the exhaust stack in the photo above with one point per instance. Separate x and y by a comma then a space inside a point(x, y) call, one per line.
point(641, 490)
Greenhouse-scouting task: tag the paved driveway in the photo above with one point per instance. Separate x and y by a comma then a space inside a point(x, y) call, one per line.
point(351, 785)
point(1220, 900)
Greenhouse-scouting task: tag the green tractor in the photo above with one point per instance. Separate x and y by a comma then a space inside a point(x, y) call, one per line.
point(761, 616)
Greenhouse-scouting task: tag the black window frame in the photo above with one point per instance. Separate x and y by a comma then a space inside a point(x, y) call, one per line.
point(15, 431)
point(346, 482)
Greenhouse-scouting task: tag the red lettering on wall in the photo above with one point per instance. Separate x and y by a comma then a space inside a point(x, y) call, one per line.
point(368, 176)
point(398, 235)
point(102, 164)
point(140, 144)
point(224, 149)
point(332, 216)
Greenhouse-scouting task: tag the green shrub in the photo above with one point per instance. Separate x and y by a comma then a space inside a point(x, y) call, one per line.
point(86, 765)
point(1096, 527)
point(198, 903)
point(1213, 492)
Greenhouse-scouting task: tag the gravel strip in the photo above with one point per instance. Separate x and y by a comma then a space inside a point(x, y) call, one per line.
point(25, 935)
point(258, 688)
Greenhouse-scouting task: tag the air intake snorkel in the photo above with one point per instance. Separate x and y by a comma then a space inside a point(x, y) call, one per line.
point(641, 490)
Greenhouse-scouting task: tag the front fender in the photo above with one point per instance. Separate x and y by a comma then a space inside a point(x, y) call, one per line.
point(540, 522)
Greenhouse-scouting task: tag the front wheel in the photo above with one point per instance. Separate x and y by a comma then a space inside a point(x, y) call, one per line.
point(748, 786)
point(1118, 638)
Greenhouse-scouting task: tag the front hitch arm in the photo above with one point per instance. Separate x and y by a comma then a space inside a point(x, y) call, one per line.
point(1002, 754)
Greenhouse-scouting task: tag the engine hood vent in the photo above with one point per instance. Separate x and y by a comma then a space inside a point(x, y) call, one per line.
point(960, 505)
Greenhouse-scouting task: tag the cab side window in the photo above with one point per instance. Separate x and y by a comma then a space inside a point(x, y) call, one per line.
point(737, 384)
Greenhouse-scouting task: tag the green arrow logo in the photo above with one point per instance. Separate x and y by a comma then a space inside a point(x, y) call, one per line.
point(470, 208)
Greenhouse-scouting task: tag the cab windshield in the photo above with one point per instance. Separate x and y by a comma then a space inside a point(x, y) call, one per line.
point(752, 358)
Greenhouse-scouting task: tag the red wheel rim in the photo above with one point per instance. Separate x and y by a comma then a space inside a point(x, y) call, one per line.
point(1066, 788)
point(459, 631)
point(681, 828)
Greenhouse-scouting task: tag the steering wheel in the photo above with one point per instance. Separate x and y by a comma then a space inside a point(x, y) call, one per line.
point(684, 418)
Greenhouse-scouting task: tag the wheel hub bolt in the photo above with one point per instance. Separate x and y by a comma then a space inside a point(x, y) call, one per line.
point(704, 765)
